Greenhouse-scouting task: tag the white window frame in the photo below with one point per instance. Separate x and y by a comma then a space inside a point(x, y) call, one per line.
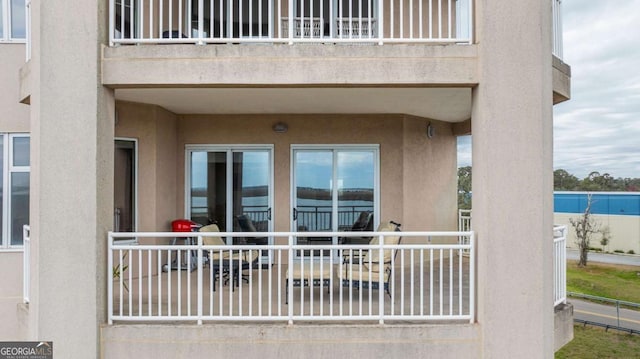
point(7, 21)
point(8, 169)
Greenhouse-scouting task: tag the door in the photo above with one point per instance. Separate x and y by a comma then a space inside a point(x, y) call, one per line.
point(125, 186)
point(332, 189)
point(231, 187)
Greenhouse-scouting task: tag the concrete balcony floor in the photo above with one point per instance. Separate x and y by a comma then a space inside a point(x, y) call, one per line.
point(427, 294)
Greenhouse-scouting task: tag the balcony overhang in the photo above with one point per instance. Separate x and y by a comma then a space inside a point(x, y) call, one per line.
point(561, 81)
point(432, 81)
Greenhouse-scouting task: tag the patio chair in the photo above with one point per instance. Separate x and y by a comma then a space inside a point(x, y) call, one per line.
point(364, 272)
point(228, 260)
point(246, 225)
point(364, 223)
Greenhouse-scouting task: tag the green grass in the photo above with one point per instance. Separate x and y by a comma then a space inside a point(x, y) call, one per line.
point(610, 281)
point(591, 342)
point(605, 280)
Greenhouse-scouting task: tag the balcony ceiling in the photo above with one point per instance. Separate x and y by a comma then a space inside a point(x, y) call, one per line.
point(444, 104)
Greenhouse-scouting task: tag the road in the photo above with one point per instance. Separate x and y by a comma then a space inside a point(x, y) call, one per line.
point(631, 260)
point(605, 314)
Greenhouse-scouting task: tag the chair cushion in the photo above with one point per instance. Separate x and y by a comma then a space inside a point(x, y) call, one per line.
point(298, 271)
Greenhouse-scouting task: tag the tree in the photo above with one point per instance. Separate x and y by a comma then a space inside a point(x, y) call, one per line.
point(464, 187)
point(606, 237)
point(564, 181)
point(585, 226)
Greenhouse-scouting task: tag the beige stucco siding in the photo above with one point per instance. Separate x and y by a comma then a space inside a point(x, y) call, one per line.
point(14, 116)
point(417, 185)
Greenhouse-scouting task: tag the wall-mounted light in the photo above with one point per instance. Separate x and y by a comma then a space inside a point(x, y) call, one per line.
point(280, 127)
point(431, 131)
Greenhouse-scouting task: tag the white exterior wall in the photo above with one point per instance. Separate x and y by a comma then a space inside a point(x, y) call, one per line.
point(624, 230)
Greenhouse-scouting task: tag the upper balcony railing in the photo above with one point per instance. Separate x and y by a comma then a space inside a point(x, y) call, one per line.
point(557, 28)
point(290, 21)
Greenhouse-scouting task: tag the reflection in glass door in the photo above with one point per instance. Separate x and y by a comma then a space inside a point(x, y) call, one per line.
point(231, 187)
point(335, 189)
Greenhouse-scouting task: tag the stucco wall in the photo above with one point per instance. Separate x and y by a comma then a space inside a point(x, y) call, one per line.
point(417, 174)
point(10, 294)
point(155, 130)
point(14, 117)
point(413, 169)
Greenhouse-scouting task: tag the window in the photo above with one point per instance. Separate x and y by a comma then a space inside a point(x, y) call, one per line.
point(13, 20)
point(14, 187)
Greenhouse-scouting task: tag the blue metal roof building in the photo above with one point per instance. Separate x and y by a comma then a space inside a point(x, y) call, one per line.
point(606, 203)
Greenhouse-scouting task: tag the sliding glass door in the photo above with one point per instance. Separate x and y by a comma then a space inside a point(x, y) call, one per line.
point(334, 189)
point(231, 187)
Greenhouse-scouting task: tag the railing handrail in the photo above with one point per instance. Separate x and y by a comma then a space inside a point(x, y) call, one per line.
point(603, 299)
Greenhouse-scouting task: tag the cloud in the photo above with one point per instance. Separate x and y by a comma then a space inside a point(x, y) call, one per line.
point(599, 128)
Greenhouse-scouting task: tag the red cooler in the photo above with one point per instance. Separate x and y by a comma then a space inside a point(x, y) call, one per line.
point(182, 225)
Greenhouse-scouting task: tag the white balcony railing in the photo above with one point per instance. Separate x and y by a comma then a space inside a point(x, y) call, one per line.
point(559, 265)
point(464, 223)
point(26, 263)
point(557, 28)
point(420, 281)
point(559, 255)
point(270, 21)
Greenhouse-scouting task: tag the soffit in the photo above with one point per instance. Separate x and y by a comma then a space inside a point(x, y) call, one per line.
point(444, 104)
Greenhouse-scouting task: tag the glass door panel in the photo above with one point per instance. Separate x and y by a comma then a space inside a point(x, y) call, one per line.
point(313, 204)
point(251, 206)
point(335, 190)
point(356, 180)
point(208, 197)
point(232, 188)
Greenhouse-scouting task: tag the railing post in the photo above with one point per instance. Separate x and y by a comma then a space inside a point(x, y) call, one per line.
point(200, 21)
point(26, 263)
point(291, 22)
point(112, 10)
point(110, 278)
point(618, 312)
point(472, 277)
point(290, 281)
point(199, 268)
point(381, 279)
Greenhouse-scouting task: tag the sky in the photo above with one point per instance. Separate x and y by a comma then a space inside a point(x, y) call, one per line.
point(598, 129)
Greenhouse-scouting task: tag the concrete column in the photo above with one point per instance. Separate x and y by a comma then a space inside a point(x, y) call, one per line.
point(512, 178)
point(72, 176)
